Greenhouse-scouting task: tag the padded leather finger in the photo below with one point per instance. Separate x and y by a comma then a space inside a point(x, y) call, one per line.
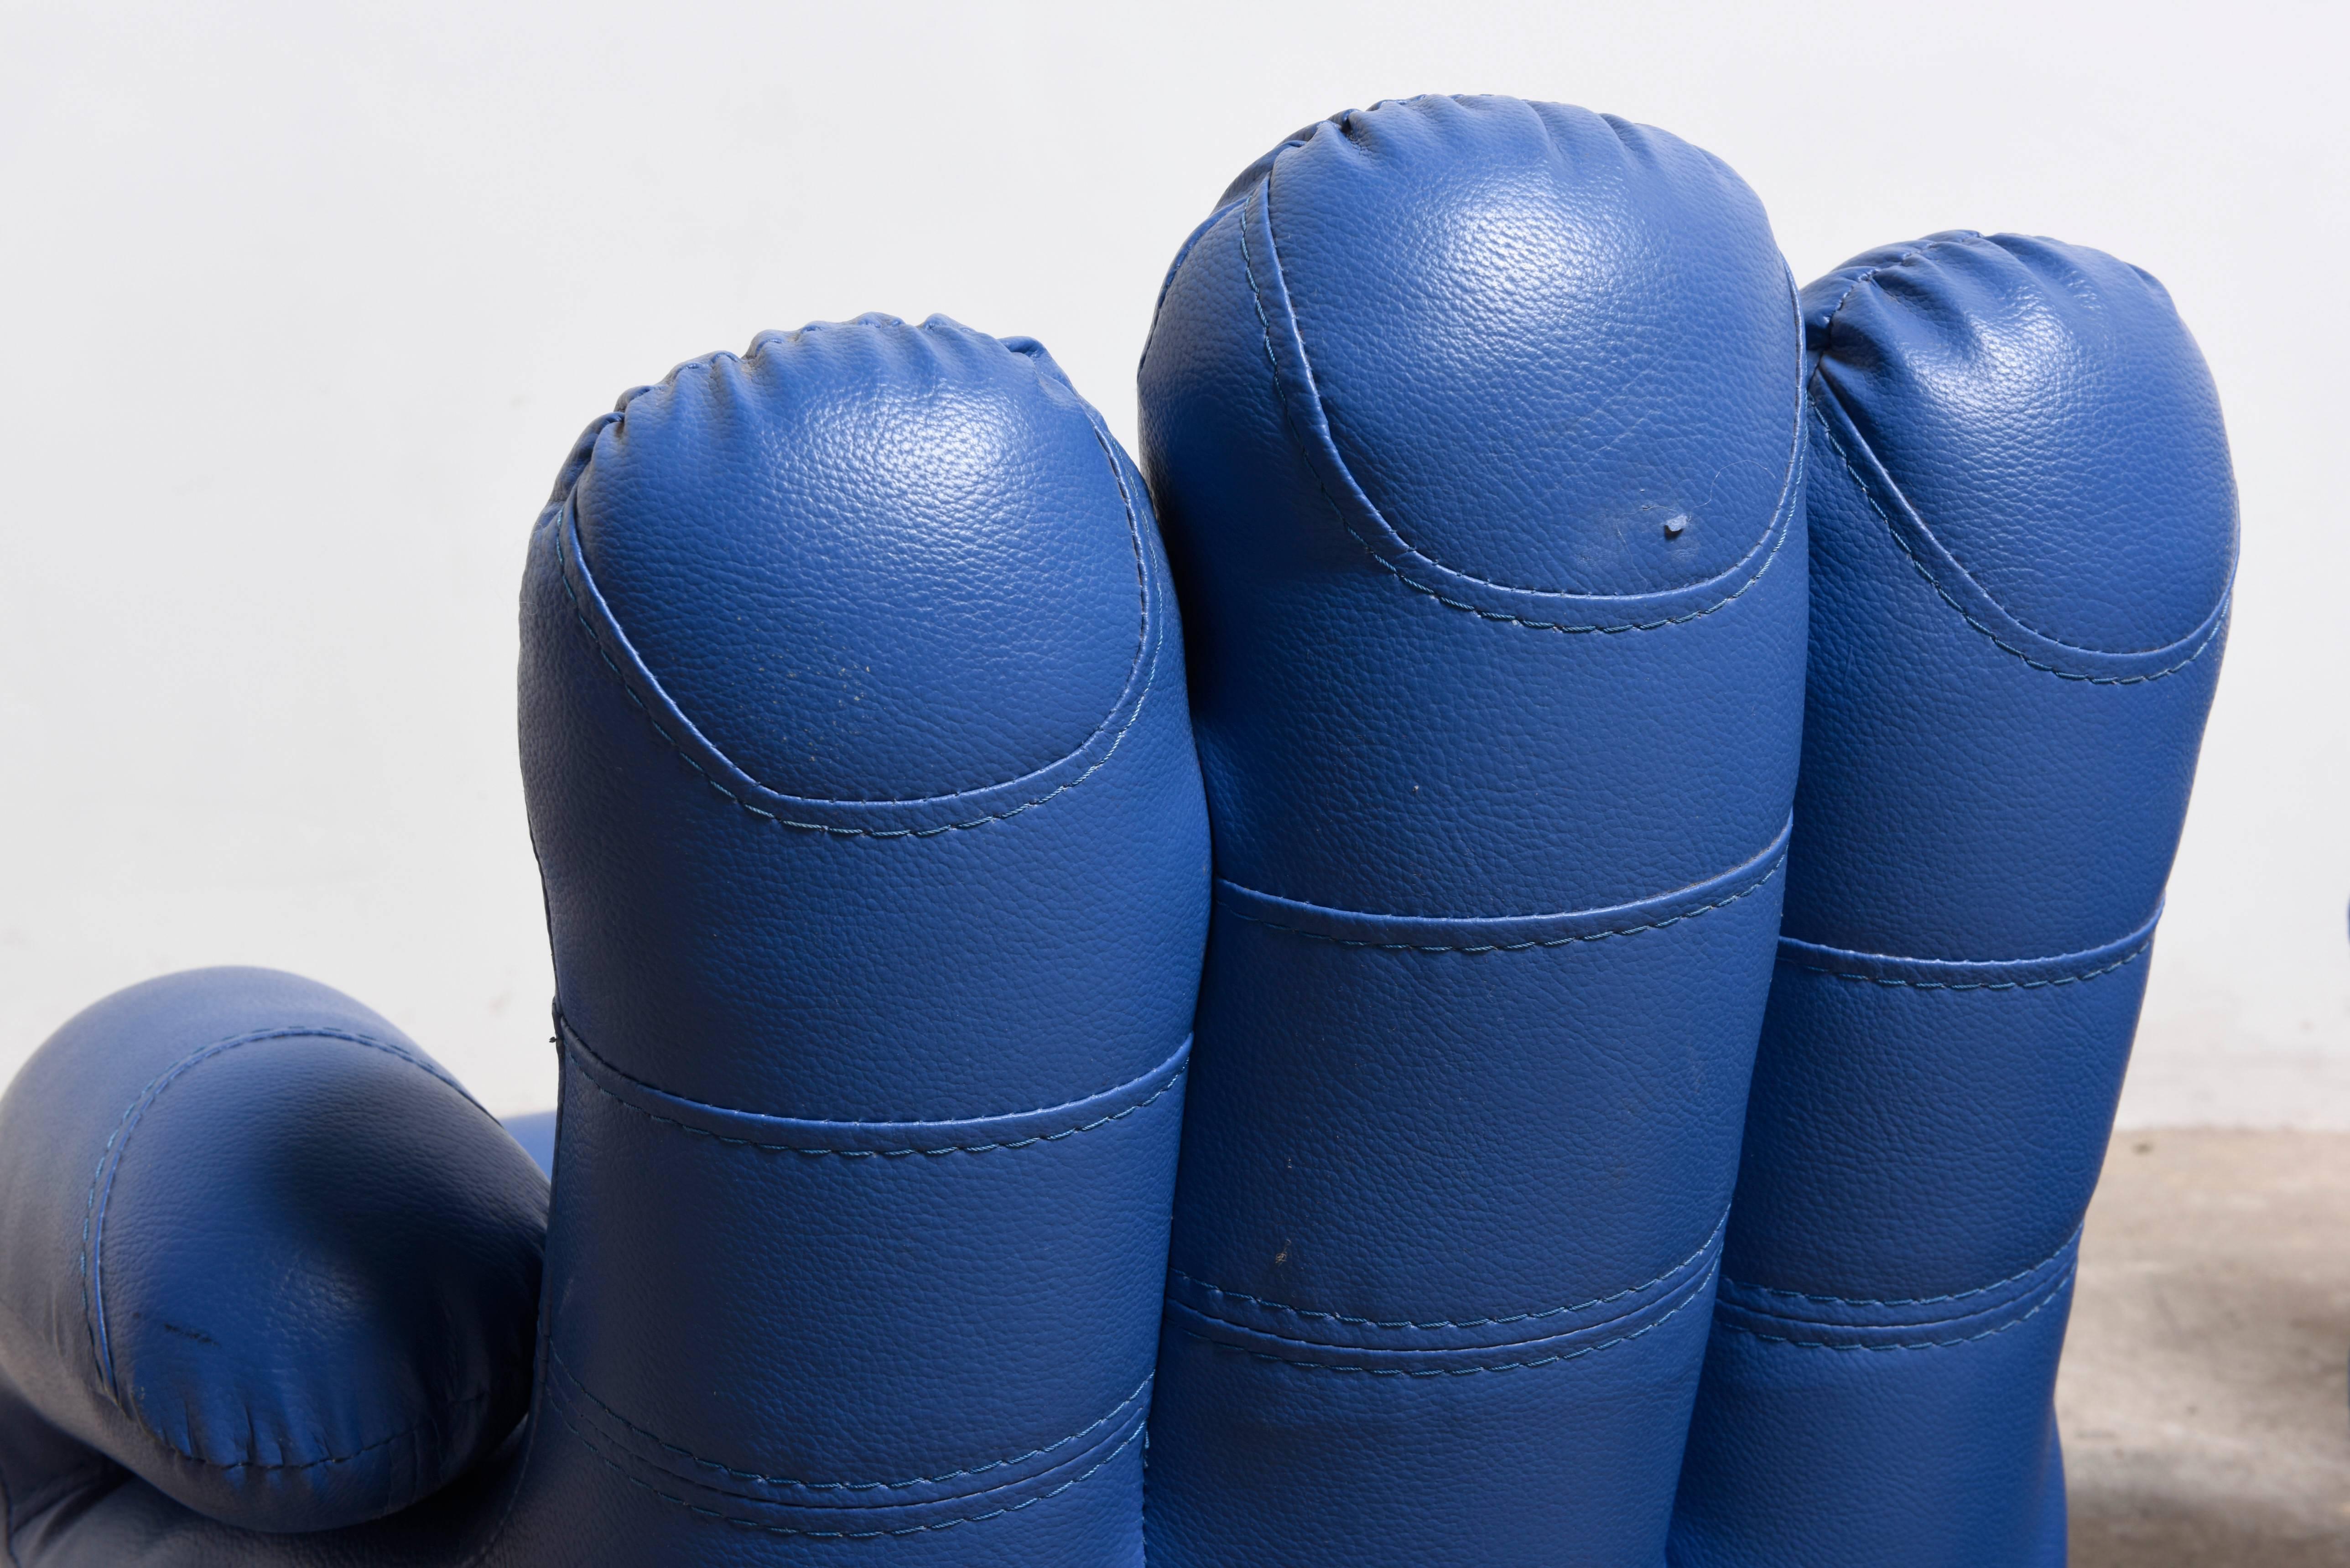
point(1475, 425)
point(259, 1249)
point(2024, 530)
point(864, 795)
point(102, 1517)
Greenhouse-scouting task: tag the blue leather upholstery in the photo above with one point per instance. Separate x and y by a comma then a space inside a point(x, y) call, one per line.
point(876, 863)
point(876, 860)
point(862, 781)
point(1475, 428)
point(535, 1130)
point(259, 1248)
point(2022, 537)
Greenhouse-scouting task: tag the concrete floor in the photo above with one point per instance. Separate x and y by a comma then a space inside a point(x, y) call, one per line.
point(2204, 1398)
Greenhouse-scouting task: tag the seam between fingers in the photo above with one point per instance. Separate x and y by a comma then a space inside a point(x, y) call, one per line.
point(520, 1465)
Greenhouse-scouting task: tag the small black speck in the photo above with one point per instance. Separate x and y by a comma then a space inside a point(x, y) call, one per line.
point(168, 1326)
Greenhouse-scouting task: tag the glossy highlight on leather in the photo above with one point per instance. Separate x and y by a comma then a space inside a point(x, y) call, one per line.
point(873, 1064)
point(2022, 537)
point(873, 1021)
point(1488, 524)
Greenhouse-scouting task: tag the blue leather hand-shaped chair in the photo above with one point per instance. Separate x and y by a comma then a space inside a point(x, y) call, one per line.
point(1566, 595)
point(862, 784)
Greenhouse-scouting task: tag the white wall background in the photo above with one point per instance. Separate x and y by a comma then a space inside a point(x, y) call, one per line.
point(301, 304)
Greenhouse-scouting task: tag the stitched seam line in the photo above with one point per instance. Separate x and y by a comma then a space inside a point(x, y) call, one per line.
point(2054, 1291)
point(2123, 963)
point(1869, 495)
point(629, 689)
point(1827, 322)
point(1531, 943)
point(401, 1436)
point(1313, 1315)
point(2019, 1275)
point(573, 1379)
point(1288, 418)
point(1575, 1355)
point(771, 1529)
point(1098, 1122)
point(93, 1306)
point(1109, 458)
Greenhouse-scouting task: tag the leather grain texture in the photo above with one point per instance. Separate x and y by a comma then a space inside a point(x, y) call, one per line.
point(262, 1252)
point(2024, 533)
point(1474, 425)
point(1067, 971)
point(535, 1130)
point(859, 770)
point(862, 784)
